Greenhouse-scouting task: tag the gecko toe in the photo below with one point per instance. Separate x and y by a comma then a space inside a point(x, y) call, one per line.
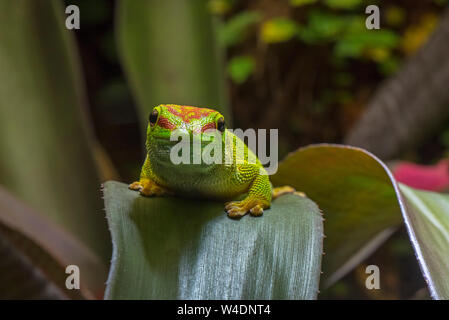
point(232, 205)
point(137, 186)
point(236, 213)
point(237, 209)
point(256, 211)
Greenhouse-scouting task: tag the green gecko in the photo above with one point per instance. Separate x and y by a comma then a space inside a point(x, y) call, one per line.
point(223, 181)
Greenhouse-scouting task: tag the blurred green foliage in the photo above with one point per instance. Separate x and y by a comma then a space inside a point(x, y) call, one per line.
point(355, 44)
point(441, 2)
point(445, 138)
point(343, 4)
point(240, 68)
point(220, 7)
point(233, 31)
point(93, 12)
point(345, 32)
point(298, 3)
point(278, 30)
point(395, 16)
point(322, 27)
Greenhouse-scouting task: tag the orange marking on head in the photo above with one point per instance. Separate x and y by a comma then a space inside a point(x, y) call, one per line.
point(165, 123)
point(189, 113)
point(208, 126)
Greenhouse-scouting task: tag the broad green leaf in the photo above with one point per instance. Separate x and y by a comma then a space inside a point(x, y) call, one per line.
point(46, 144)
point(169, 53)
point(356, 194)
point(362, 204)
point(427, 220)
point(34, 254)
point(173, 248)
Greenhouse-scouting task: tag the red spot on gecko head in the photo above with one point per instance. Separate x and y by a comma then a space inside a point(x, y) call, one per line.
point(165, 123)
point(188, 113)
point(208, 126)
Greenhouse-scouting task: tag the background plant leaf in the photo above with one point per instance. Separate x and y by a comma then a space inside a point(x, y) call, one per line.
point(356, 195)
point(362, 203)
point(46, 144)
point(172, 248)
point(169, 53)
point(427, 220)
point(34, 253)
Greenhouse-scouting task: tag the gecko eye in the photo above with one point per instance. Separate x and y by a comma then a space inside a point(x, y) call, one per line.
point(153, 117)
point(221, 125)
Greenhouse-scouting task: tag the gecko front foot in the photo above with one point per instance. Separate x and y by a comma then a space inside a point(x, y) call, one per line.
point(148, 188)
point(237, 209)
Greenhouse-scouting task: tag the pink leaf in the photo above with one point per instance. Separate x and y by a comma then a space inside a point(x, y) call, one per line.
point(432, 178)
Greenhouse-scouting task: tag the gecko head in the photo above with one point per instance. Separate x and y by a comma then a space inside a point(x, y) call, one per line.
point(168, 122)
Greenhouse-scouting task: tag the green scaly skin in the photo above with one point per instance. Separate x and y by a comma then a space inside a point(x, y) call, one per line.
point(224, 181)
